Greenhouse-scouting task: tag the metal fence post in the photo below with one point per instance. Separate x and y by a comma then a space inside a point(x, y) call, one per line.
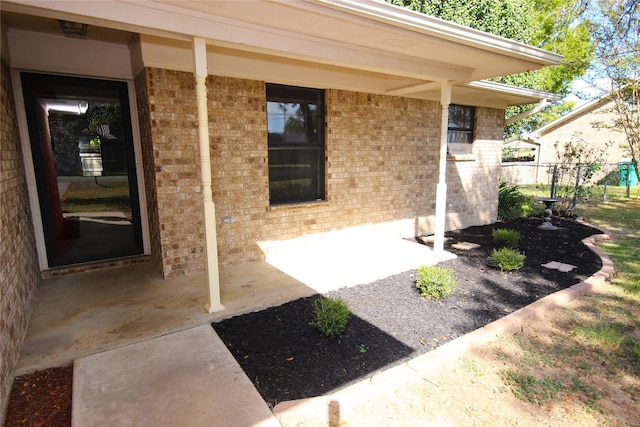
point(577, 187)
point(606, 175)
point(628, 180)
point(554, 181)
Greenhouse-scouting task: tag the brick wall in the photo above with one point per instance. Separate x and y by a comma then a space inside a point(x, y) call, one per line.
point(18, 260)
point(168, 126)
point(472, 185)
point(381, 174)
point(143, 93)
point(584, 129)
point(239, 169)
point(380, 152)
point(382, 160)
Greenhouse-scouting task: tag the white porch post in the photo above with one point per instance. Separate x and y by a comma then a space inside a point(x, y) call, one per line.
point(210, 238)
point(441, 189)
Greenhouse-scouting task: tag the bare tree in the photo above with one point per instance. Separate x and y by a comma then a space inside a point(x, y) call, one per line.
point(616, 31)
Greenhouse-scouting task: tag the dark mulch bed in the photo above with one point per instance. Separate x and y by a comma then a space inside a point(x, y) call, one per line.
point(41, 398)
point(287, 359)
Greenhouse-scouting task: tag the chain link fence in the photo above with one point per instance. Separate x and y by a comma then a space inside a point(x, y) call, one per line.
point(574, 184)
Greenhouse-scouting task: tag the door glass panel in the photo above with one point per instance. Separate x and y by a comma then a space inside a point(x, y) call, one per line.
point(80, 134)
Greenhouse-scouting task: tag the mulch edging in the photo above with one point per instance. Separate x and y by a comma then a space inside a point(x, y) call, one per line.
point(452, 350)
point(514, 321)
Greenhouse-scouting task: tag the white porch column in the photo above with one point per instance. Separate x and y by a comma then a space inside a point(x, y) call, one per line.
point(210, 238)
point(441, 189)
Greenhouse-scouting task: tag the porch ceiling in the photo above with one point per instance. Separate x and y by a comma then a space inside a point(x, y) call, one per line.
point(380, 47)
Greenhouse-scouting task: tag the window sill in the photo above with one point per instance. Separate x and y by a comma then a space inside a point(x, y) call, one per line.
point(461, 157)
point(298, 205)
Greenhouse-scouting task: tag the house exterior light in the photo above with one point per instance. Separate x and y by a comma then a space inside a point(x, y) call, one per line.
point(73, 29)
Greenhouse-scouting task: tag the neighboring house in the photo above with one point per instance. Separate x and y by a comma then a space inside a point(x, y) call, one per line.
point(589, 125)
point(231, 128)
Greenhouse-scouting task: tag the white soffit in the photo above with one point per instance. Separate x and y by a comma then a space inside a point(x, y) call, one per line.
point(369, 36)
point(440, 48)
point(495, 94)
point(367, 46)
point(231, 63)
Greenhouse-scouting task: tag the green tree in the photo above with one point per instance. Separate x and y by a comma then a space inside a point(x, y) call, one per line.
point(561, 28)
point(553, 25)
point(65, 129)
point(512, 19)
point(101, 118)
point(551, 113)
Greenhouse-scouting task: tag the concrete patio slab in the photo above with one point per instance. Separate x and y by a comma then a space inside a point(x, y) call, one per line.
point(134, 303)
point(349, 261)
point(187, 378)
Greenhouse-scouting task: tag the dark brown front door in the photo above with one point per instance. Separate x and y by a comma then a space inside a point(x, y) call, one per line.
point(82, 148)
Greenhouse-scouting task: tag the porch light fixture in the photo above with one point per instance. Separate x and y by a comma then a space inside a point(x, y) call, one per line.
point(73, 29)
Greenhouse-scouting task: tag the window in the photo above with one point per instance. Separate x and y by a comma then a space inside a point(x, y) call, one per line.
point(295, 126)
point(515, 153)
point(461, 124)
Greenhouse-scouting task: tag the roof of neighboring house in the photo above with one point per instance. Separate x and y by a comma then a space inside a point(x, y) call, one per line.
point(520, 142)
point(368, 46)
point(570, 116)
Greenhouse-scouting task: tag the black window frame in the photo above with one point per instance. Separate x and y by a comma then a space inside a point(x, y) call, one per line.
point(461, 129)
point(296, 160)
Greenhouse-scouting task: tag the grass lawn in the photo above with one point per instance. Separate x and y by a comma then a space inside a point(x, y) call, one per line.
point(89, 196)
point(588, 195)
point(591, 355)
point(621, 217)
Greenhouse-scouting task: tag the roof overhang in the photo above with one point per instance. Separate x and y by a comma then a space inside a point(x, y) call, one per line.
point(373, 45)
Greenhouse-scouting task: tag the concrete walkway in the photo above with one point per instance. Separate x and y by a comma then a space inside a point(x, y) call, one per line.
point(187, 378)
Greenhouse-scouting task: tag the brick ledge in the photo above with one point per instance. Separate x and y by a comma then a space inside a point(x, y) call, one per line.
point(94, 266)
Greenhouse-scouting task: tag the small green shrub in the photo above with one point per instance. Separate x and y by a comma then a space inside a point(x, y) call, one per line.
point(435, 282)
point(511, 201)
point(505, 238)
point(506, 259)
point(331, 314)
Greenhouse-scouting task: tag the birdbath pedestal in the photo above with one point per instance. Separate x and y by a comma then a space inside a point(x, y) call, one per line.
point(548, 203)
